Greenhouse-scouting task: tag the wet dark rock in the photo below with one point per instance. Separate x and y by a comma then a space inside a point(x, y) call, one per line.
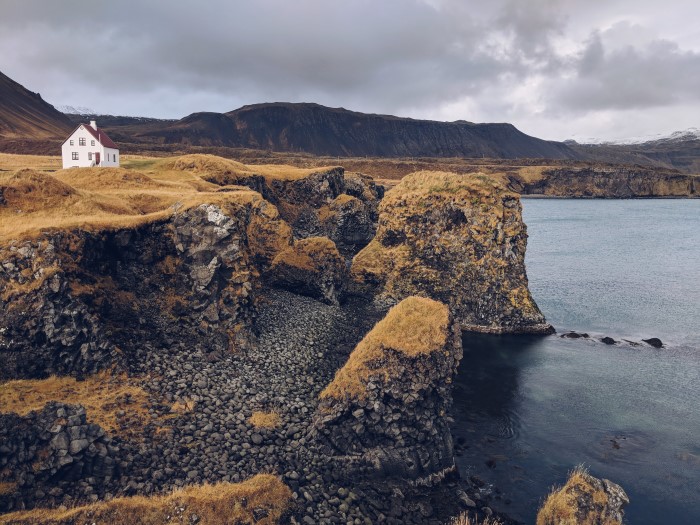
point(608, 340)
point(574, 335)
point(654, 341)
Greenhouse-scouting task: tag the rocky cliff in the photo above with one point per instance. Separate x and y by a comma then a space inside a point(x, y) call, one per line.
point(74, 302)
point(384, 415)
point(618, 182)
point(232, 318)
point(459, 239)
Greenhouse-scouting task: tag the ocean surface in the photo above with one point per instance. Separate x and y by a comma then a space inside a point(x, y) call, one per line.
point(529, 409)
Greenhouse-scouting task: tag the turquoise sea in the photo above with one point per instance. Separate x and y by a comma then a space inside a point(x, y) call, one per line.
point(529, 409)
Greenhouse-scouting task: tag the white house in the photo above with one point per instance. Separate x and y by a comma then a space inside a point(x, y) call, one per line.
point(89, 146)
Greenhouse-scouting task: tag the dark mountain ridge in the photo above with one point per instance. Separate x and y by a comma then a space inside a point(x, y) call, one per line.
point(320, 130)
point(24, 114)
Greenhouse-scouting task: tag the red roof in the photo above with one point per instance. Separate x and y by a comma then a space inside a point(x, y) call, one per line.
point(101, 136)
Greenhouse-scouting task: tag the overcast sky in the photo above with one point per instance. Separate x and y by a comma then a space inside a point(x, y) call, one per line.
point(556, 69)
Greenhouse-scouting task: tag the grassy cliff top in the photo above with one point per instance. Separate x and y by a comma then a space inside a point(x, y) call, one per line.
point(100, 199)
point(214, 504)
point(146, 190)
point(102, 395)
point(219, 170)
point(441, 182)
point(414, 327)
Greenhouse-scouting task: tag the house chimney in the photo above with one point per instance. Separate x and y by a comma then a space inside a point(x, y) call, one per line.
point(93, 124)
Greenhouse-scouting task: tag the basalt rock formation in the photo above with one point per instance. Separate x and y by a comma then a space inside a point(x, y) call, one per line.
point(584, 500)
point(53, 446)
point(312, 267)
point(74, 302)
point(617, 182)
point(459, 239)
point(385, 413)
point(325, 202)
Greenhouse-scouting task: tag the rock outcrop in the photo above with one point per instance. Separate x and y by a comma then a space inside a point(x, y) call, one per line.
point(312, 267)
point(385, 413)
point(459, 239)
point(584, 500)
point(75, 302)
point(52, 447)
point(605, 181)
point(324, 201)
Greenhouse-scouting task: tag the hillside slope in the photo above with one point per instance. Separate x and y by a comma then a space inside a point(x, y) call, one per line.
point(320, 130)
point(25, 115)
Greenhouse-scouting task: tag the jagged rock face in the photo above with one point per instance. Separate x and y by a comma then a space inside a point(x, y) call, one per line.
point(328, 202)
point(76, 302)
point(585, 500)
point(609, 182)
point(52, 446)
point(385, 413)
point(311, 267)
point(459, 239)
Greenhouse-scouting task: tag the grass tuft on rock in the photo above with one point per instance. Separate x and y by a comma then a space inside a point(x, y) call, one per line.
point(102, 395)
point(563, 505)
point(260, 419)
point(263, 499)
point(415, 326)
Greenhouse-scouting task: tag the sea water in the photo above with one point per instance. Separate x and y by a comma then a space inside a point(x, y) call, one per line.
point(529, 409)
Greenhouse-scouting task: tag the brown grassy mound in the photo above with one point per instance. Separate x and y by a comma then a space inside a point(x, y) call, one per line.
point(220, 504)
point(308, 254)
point(101, 198)
point(413, 327)
point(581, 501)
point(225, 171)
point(102, 395)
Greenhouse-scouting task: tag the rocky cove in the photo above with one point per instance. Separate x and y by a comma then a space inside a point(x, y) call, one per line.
point(267, 320)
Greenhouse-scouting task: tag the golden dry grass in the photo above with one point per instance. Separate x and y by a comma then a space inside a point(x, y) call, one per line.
point(465, 519)
point(102, 395)
point(219, 504)
point(415, 326)
point(13, 162)
point(32, 201)
point(560, 507)
point(225, 171)
point(423, 182)
point(307, 253)
point(7, 487)
point(260, 419)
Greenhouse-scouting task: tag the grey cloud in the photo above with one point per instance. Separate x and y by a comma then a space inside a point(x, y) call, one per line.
point(657, 74)
point(408, 57)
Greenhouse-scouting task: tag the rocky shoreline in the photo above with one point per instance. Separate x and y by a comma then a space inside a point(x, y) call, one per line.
point(282, 322)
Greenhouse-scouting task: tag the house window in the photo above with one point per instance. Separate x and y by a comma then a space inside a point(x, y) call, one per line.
point(89, 155)
point(114, 157)
point(75, 155)
point(82, 142)
point(72, 142)
point(92, 142)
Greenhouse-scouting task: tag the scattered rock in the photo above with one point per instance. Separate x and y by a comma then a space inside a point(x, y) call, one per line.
point(654, 341)
point(608, 340)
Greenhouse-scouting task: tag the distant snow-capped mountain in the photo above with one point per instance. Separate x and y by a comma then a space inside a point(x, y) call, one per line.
point(75, 110)
point(676, 136)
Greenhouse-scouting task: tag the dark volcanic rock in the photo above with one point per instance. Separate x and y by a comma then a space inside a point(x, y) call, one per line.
point(384, 414)
point(312, 267)
point(608, 340)
point(459, 239)
point(654, 341)
point(54, 446)
point(66, 298)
